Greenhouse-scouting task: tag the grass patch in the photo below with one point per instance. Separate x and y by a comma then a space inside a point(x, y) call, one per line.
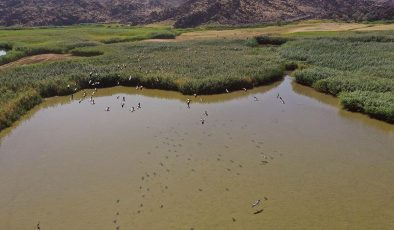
point(360, 62)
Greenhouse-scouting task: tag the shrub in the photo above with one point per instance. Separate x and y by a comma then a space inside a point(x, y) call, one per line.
point(268, 40)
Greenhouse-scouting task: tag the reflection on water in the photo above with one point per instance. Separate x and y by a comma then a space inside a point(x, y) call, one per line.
point(3, 52)
point(72, 165)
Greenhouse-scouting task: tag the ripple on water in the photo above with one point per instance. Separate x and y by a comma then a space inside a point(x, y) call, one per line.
point(133, 159)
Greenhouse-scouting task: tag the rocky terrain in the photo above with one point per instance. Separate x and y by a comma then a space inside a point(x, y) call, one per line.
point(188, 13)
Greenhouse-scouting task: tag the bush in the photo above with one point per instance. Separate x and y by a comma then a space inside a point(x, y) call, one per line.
point(378, 105)
point(162, 35)
point(268, 40)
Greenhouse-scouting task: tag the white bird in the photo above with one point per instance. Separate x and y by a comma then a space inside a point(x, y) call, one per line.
point(227, 91)
point(256, 203)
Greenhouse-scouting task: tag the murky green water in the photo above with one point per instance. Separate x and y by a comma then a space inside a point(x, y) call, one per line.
point(72, 165)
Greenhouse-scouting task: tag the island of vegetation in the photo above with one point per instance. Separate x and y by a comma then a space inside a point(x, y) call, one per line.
point(354, 62)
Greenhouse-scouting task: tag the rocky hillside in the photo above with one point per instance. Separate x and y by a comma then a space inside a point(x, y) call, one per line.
point(66, 12)
point(187, 13)
point(196, 12)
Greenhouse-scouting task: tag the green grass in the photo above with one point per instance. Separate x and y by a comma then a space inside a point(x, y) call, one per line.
point(22, 42)
point(346, 63)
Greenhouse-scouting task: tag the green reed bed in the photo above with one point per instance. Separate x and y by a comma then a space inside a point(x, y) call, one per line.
point(201, 67)
point(22, 42)
point(351, 66)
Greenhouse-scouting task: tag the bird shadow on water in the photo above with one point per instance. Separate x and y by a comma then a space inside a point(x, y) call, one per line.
point(258, 211)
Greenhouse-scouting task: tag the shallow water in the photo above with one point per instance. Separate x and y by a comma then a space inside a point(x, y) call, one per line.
point(72, 165)
point(2, 53)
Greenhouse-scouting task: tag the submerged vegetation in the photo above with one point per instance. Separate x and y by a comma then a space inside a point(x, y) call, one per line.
point(357, 67)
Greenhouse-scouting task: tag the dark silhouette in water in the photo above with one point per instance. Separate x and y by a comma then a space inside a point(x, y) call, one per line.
point(283, 102)
point(188, 103)
point(139, 105)
point(258, 211)
point(38, 226)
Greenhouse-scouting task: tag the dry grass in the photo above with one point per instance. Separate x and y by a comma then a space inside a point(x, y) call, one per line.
point(37, 59)
point(307, 26)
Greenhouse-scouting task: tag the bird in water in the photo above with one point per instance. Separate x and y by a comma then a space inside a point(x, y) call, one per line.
point(256, 203)
point(206, 113)
point(132, 109)
point(202, 121)
point(38, 226)
point(255, 98)
point(245, 89)
point(281, 99)
point(188, 103)
point(227, 91)
point(122, 104)
point(277, 96)
point(117, 97)
point(139, 105)
point(107, 108)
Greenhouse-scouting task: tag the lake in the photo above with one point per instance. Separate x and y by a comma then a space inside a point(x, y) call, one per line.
point(71, 165)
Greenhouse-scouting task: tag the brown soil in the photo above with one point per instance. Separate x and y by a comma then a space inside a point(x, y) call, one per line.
point(37, 59)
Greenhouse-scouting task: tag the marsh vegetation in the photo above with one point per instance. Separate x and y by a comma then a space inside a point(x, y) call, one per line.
point(355, 66)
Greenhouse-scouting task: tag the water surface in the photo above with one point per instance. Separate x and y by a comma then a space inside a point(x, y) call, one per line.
point(72, 165)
